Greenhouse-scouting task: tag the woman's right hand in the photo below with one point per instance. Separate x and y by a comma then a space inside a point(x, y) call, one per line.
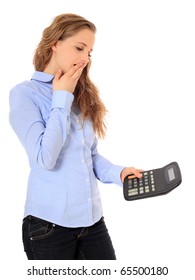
point(68, 81)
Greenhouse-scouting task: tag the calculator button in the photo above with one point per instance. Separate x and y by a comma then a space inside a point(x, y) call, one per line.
point(130, 184)
point(141, 190)
point(131, 177)
point(133, 192)
point(151, 172)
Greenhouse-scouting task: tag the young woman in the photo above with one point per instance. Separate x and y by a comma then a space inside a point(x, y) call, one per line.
point(58, 117)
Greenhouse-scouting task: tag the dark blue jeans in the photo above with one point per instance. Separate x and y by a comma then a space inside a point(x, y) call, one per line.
point(46, 241)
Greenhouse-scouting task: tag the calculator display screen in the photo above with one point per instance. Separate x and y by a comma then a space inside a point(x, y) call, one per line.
point(171, 174)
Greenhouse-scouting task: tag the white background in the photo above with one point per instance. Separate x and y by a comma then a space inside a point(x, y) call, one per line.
point(143, 65)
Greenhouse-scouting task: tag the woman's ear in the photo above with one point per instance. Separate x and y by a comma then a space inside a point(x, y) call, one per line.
point(55, 46)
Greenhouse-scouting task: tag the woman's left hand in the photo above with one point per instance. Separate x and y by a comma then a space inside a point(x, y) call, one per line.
point(131, 170)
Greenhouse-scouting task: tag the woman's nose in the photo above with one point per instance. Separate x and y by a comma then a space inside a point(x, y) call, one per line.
point(85, 58)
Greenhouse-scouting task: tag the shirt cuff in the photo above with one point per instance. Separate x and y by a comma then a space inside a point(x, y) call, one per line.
point(62, 99)
point(115, 173)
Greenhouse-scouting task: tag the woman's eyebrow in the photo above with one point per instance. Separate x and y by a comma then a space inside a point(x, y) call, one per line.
point(84, 45)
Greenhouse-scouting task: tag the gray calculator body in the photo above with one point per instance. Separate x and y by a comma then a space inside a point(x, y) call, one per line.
point(153, 182)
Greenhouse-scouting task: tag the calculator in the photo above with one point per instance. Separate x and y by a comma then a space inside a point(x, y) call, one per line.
point(153, 182)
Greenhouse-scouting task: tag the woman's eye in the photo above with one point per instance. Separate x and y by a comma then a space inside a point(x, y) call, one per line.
point(79, 49)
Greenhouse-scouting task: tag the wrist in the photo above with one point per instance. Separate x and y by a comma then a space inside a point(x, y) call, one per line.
point(122, 175)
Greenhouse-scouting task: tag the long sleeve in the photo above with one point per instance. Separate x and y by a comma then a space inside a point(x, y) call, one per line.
point(42, 139)
point(104, 170)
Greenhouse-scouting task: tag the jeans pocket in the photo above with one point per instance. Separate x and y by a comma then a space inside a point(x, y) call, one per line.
point(40, 229)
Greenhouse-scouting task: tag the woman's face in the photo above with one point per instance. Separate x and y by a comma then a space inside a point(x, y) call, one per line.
point(73, 50)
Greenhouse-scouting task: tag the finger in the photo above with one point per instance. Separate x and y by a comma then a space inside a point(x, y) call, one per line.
point(74, 69)
point(78, 73)
point(58, 74)
point(137, 172)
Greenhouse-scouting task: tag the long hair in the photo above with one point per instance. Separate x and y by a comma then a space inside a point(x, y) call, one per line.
point(86, 93)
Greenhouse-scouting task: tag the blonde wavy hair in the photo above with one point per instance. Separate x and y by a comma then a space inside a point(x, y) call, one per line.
point(86, 93)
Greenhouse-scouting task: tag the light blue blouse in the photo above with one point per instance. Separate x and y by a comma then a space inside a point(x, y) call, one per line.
point(63, 156)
